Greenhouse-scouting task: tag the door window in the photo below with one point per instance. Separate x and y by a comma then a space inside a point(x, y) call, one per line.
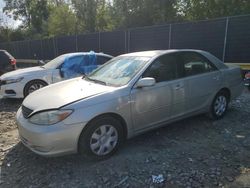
point(194, 64)
point(102, 59)
point(72, 67)
point(163, 69)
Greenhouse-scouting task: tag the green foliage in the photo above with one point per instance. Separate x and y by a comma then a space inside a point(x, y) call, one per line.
point(203, 9)
point(134, 13)
point(62, 21)
point(45, 18)
point(8, 34)
point(86, 11)
point(32, 13)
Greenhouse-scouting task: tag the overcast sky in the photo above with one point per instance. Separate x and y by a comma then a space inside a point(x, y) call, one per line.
point(5, 20)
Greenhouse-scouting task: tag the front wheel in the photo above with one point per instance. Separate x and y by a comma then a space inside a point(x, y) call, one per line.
point(219, 105)
point(101, 139)
point(33, 86)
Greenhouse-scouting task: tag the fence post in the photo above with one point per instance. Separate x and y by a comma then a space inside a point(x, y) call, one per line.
point(128, 40)
point(54, 46)
point(99, 42)
point(76, 43)
point(169, 36)
point(41, 43)
point(32, 56)
point(125, 41)
point(225, 40)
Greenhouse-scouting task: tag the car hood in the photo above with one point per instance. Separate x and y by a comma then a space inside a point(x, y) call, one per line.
point(21, 72)
point(60, 94)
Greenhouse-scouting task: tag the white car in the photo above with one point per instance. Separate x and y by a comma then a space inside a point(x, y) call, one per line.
point(20, 83)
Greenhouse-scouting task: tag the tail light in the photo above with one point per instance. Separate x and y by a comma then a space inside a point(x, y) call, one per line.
point(12, 61)
point(247, 75)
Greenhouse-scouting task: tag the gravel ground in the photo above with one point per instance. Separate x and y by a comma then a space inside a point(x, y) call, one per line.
point(194, 152)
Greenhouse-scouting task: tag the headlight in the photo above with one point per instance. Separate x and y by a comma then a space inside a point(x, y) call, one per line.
point(10, 81)
point(50, 117)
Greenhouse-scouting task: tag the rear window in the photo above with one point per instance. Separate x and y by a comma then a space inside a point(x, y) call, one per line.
point(102, 59)
point(4, 55)
point(9, 55)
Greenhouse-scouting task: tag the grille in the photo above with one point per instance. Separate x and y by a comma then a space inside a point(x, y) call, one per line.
point(26, 111)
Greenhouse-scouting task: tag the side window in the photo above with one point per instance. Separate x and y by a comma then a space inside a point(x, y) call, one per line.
point(1, 56)
point(163, 69)
point(75, 60)
point(102, 59)
point(72, 67)
point(195, 63)
point(4, 59)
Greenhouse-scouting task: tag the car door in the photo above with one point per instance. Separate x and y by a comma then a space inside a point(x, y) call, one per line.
point(203, 80)
point(155, 104)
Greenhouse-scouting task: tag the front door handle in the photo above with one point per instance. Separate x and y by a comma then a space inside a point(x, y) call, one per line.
point(216, 78)
point(179, 86)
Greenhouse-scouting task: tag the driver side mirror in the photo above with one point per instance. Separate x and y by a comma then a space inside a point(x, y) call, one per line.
point(61, 72)
point(145, 82)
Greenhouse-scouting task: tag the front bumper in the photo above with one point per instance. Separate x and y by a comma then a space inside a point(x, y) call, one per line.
point(52, 140)
point(14, 90)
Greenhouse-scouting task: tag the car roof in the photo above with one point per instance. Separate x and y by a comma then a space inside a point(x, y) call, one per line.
point(87, 53)
point(155, 53)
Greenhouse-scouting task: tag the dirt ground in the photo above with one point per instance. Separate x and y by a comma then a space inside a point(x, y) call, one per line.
point(194, 152)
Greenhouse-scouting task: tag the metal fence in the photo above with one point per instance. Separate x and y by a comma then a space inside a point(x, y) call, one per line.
point(227, 38)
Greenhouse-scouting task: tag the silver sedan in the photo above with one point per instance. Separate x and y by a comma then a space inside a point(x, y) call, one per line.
point(127, 96)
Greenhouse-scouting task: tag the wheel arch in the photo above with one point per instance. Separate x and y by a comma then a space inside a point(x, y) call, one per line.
point(40, 80)
point(109, 114)
point(226, 91)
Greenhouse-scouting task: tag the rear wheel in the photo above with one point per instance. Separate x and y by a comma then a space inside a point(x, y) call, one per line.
point(33, 86)
point(101, 139)
point(219, 105)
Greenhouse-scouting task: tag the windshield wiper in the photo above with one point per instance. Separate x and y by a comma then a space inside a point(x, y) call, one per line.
point(94, 80)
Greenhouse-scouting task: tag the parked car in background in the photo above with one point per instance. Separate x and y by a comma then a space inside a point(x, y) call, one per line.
point(22, 82)
point(127, 96)
point(7, 62)
point(247, 80)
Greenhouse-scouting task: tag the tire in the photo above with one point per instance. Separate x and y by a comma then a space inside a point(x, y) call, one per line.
point(33, 86)
point(219, 105)
point(101, 139)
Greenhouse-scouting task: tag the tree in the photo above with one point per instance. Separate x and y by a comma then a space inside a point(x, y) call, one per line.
point(16, 35)
point(86, 11)
point(62, 21)
point(202, 9)
point(104, 19)
point(134, 13)
point(32, 13)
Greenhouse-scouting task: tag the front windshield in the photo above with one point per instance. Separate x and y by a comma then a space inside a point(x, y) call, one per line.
point(55, 63)
point(118, 71)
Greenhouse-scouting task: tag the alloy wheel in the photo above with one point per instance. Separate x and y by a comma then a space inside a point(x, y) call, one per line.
point(220, 105)
point(103, 140)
